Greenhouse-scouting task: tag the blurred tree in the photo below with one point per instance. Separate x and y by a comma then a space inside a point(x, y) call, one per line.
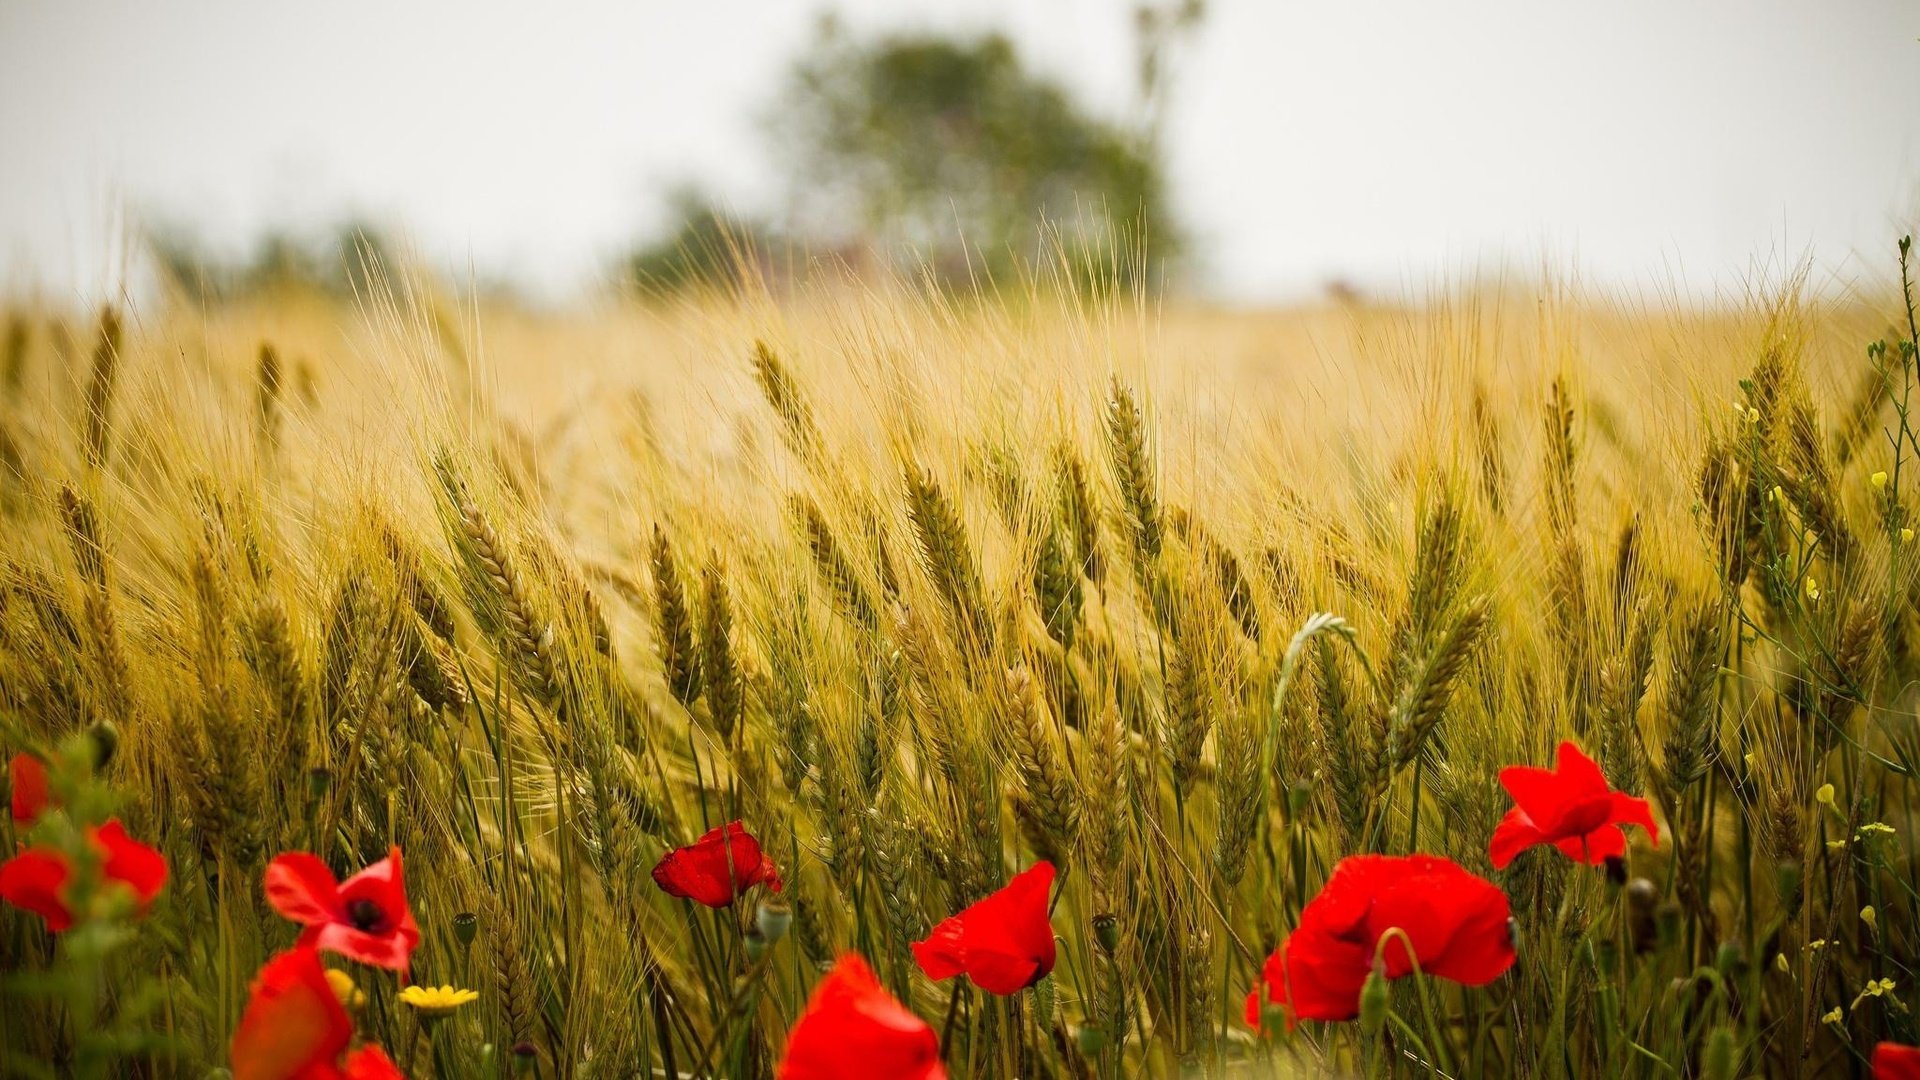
point(705, 246)
point(338, 262)
point(955, 153)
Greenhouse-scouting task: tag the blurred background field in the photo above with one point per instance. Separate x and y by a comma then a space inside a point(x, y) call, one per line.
point(1191, 443)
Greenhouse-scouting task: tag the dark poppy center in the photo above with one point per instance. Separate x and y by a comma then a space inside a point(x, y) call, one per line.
point(365, 915)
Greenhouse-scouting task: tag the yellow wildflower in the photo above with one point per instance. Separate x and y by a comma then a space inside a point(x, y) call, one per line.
point(1813, 589)
point(1906, 536)
point(1878, 479)
point(1834, 1016)
point(1874, 988)
point(434, 1002)
point(1824, 796)
point(1870, 917)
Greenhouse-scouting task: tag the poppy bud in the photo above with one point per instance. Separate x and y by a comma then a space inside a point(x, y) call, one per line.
point(1375, 1000)
point(1298, 799)
point(1730, 959)
point(756, 943)
point(1092, 1039)
point(345, 989)
point(1106, 931)
point(524, 1058)
point(1606, 957)
point(772, 918)
point(1786, 878)
point(1642, 897)
point(318, 781)
point(106, 739)
point(1616, 871)
point(1666, 922)
point(1716, 1063)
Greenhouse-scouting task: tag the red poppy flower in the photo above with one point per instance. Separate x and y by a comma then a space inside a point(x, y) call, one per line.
point(294, 1027)
point(372, 1063)
point(1457, 924)
point(853, 1027)
point(717, 868)
point(364, 917)
point(36, 879)
point(1004, 943)
point(294, 1024)
point(1570, 807)
point(27, 776)
point(1892, 1061)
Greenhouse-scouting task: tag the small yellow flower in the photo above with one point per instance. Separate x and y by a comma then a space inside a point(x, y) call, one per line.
point(1817, 943)
point(344, 988)
point(1753, 416)
point(433, 1002)
point(1878, 479)
point(1870, 917)
point(1836, 845)
point(1906, 536)
point(1813, 589)
point(1778, 494)
point(1872, 828)
point(1874, 989)
point(1824, 796)
point(1780, 963)
point(1834, 1016)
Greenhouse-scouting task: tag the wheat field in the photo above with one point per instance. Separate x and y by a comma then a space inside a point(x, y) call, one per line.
point(1191, 603)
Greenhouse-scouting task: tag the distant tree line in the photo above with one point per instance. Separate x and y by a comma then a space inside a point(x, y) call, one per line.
point(950, 157)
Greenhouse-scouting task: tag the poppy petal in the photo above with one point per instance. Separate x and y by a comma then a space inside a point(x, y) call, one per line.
point(1270, 987)
point(1892, 1061)
point(1628, 810)
point(853, 1027)
point(1002, 973)
point(1480, 945)
point(942, 954)
point(301, 888)
point(1536, 791)
point(33, 881)
point(133, 864)
point(1515, 834)
point(1003, 942)
point(1596, 847)
point(389, 950)
point(372, 1063)
point(1578, 773)
point(27, 775)
point(383, 884)
point(1324, 978)
point(294, 1024)
point(717, 868)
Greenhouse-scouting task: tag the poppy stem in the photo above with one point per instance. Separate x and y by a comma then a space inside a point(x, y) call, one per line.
point(1436, 1046)
point(946, 1027)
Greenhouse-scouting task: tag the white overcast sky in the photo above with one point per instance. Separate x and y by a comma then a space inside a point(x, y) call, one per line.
point(1649, 143)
